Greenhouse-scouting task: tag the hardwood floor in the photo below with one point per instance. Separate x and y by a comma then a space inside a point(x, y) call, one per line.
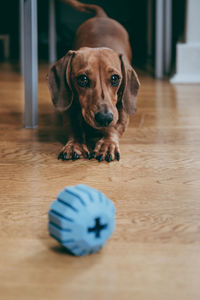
point(155, 250)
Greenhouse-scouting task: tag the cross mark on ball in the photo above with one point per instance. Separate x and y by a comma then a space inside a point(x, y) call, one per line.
point(97, 228)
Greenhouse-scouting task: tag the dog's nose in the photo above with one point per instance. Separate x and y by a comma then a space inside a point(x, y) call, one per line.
point(104, 119)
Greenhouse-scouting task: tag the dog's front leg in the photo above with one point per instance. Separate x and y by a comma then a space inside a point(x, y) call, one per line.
point(75, 147)
point(107, 148)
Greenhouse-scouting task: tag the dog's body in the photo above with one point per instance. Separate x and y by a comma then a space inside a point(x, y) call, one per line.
point(95, 86)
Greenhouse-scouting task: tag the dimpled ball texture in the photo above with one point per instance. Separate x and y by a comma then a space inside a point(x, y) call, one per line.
point(81, 219)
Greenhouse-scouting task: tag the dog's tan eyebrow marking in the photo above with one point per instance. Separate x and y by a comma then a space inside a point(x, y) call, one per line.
point(84, 71)
point(112, 70)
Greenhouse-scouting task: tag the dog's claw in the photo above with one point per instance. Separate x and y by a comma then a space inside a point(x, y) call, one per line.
point(99, 158)
point(75, 156)
point(118, 156)
point(64, 156)
point(87, 155)
point(108, 158)
point(60, 156)
point(92, 155)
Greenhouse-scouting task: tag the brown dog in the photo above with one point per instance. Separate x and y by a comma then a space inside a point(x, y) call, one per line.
point(95, 86)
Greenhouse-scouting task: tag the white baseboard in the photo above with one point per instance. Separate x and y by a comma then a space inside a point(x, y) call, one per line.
point(187, 63)
point(185, 78)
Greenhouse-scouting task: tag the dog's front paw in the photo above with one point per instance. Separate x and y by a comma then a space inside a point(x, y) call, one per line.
point(106, 149)
point(74, 150)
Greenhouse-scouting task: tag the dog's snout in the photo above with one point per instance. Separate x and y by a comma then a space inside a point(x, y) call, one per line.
point(103, 119)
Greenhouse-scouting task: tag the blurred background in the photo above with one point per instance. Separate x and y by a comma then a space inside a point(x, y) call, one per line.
point(140, 18)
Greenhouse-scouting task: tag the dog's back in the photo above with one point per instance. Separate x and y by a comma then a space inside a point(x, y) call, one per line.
point(100, 31)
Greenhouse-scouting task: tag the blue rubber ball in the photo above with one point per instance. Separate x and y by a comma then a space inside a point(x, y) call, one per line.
point(81, 219)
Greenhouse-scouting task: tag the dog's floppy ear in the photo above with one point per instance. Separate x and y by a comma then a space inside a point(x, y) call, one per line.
point(129, 87)
point(58, 79)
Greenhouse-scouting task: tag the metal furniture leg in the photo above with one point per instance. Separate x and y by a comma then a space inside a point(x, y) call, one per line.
point(52, 32)
point(21, 28)
point(168, 36)
point(159, 66)
point(30, 62)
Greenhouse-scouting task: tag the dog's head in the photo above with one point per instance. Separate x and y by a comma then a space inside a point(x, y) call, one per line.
point(99, 79)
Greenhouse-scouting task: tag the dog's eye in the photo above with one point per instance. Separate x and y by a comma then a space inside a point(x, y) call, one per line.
point(115, 80)
point(83, 81)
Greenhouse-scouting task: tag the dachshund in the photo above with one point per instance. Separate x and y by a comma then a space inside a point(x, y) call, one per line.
point(95, 87)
